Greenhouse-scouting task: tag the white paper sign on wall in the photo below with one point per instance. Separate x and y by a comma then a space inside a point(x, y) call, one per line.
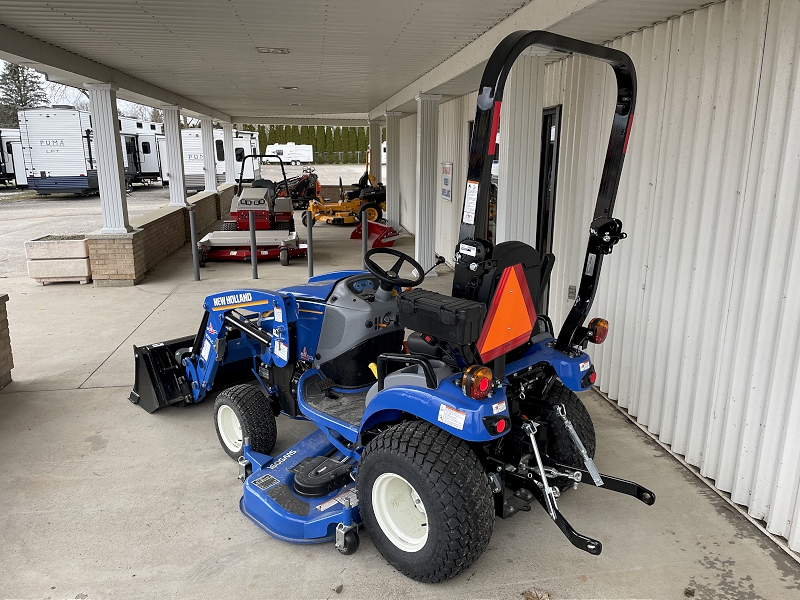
point(447, 182)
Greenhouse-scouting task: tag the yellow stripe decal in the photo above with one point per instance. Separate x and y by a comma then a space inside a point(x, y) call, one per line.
point(242, 305)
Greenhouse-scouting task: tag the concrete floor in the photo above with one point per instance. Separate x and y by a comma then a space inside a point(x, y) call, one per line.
point(101, 500)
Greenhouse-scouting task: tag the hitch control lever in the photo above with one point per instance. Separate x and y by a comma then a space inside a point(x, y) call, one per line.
point(587, 460)
point(549, 495)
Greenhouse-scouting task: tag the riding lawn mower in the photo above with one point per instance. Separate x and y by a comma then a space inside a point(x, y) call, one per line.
point(422, 440)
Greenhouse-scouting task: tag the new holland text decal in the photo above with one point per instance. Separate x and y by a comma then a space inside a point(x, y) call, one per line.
point(233, 299)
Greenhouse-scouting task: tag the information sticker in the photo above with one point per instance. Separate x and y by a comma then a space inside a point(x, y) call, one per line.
point(470, 202)
point(281, 350)
point(205, 350)
point(278, 314)
point(499, 407)
point(451, 416)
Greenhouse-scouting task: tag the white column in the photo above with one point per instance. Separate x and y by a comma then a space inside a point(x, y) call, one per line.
point(230, 159)
point(520, 151)
point(108, 147)
point(172, 133)
point(375, 149)
point(209, 153)
point(393, 168)
point(427, 179)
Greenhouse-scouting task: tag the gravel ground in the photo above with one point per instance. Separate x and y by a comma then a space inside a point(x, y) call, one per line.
point(24, 215)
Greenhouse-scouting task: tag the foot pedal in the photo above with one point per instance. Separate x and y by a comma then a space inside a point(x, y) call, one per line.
point(326, 384)
point(320, 475)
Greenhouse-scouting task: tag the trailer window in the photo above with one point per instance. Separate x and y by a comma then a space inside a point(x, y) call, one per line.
point(279, 152)
point(139, 125)
point(239, 154)
point(220, 150)
point(153, 127)
point(145, 147)
point(8, 148)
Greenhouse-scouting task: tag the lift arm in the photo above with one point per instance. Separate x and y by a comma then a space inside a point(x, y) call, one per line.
point(264, 334)
point(605, 231)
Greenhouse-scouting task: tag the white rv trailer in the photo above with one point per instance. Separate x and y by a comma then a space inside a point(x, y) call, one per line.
point(244, 144)
point(59, 155)
point(140, 145)
point(58, 150)
point(12, 170)
point(291, 153)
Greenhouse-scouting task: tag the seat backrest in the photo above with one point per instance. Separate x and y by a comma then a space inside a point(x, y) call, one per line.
point(508, 254)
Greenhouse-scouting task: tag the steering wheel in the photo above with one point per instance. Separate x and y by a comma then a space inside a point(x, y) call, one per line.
point(390, 278)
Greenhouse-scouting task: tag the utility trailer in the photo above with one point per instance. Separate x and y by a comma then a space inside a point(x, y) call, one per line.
point(12, 170)
point(423, 444)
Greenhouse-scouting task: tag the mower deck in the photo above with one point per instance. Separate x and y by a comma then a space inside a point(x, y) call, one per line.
point(235, 245)
point(271, 501)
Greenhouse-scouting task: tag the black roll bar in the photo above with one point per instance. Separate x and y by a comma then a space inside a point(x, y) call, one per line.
point(241, 171)
point(475, 214)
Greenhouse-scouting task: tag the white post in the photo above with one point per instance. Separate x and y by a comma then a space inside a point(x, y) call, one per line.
point(375, 132)
point(520, 151)
point(230, 159)
point(393, 168)
point(427, 179)
point(172, 133)
point(110, 169)
point(209, 153)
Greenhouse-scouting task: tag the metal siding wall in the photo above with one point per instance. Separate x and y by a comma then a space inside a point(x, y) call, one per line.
point(704, 296)
point(408, 172)
point(520, 151)
point(454, 117)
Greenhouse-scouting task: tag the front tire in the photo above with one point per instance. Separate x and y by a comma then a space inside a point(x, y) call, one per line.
point(425, 500)
point(244, 411)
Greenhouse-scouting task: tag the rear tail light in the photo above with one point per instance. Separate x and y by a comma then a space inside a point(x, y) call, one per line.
point(598, 329)
point(496, 425)
point(477, 382)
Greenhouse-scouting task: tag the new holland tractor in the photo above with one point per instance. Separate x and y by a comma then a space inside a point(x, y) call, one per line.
point(423, 440)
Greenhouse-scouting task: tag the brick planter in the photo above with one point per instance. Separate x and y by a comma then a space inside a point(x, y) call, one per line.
point(58, 258)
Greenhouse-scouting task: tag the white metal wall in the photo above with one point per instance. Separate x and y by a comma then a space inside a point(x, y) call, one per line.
point(704, 295)
point(408, 172)
point(454, 117)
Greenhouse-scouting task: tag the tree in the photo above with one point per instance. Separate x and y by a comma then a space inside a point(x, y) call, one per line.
point(156, 115)
point(383, 134)
point(20, 88)
point(319, 139)
point(363, 139)
point(262, 139)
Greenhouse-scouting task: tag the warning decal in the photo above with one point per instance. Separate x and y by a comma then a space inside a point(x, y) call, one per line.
point(265, 481)
point(470, 202)
point(451, 416)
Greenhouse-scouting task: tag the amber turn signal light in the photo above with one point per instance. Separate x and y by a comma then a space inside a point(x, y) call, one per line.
point(599, 330)
point(477, 382)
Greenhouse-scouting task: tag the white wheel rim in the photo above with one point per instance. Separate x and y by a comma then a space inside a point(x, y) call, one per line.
point(230, 430)
point(400, 512)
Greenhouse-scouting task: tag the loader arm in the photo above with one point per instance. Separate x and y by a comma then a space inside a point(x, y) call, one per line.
point(240, 325)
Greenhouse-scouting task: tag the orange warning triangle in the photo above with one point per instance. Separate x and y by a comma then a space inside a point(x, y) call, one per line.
point(511, 316)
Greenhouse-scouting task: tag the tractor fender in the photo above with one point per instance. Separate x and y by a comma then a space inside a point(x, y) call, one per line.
point(446, 407)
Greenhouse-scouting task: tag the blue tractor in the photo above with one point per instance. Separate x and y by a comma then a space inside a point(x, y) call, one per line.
point(422, 439)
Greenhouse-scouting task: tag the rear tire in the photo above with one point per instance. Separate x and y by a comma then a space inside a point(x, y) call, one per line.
point(425, 500)
point(244, 411)
point(560, 446)
point(373, 211)
point(284, 257)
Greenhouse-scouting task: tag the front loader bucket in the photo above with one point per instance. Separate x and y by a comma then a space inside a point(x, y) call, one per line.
point(160, 379)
